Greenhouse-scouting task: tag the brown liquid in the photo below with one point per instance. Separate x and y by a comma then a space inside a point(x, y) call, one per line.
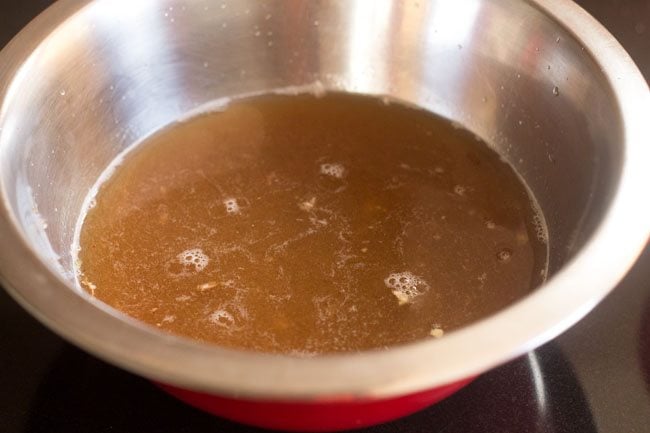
point(307, 225)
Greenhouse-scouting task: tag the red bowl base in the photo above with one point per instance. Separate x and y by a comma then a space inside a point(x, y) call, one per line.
point(322, 416)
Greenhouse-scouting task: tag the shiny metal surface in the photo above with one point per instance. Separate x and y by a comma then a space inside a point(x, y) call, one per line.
point(545, 84)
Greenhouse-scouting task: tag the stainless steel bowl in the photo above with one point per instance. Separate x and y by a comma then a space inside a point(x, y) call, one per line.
point(540, 80)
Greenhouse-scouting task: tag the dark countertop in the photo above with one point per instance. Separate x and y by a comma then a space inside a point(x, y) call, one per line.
point(594, 378)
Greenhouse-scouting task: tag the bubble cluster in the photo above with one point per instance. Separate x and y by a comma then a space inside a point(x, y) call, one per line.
point(406, 286)
point(194, 258)
point(232, 207)
point(334, 169)
point(459, 190)
point(540, 228)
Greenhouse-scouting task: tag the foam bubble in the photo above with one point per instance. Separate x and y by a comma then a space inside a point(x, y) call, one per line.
point(232, 207)
point(195, 258)
point(437, 331)
point(333, 169)
point(308, 205)
point(504, 255)
point(459, 190)
point(406, 286)
point(222, 318)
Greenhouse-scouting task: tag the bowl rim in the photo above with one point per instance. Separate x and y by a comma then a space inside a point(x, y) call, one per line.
point(559, 303)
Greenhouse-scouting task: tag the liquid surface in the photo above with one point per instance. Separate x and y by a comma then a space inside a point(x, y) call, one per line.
point(308, 225)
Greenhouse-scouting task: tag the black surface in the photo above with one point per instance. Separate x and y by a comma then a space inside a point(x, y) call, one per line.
point(594, 378)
